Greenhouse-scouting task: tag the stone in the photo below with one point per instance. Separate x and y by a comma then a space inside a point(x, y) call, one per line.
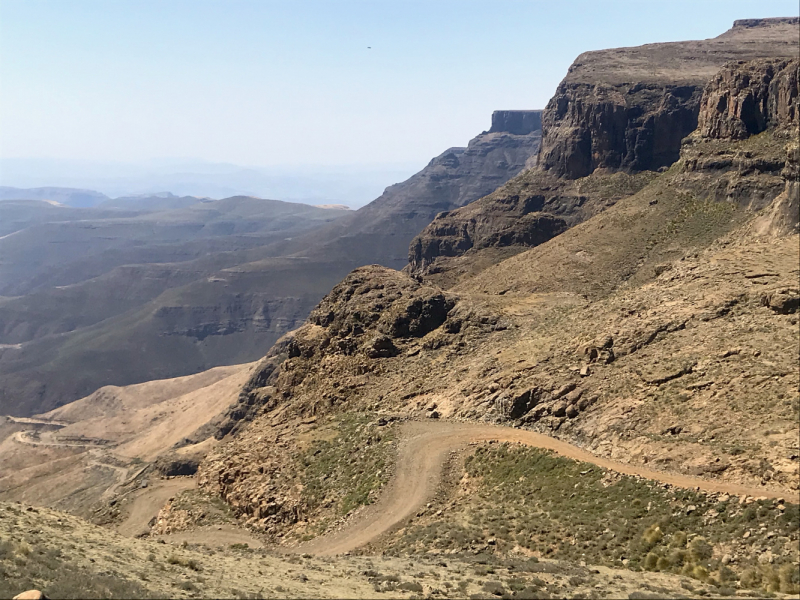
point(585, 371)
point(30, 595)
point(559, 409)
point(381, 346)
point(564, 389)
point(586, 401)
point(572, 411)
point(782, 301)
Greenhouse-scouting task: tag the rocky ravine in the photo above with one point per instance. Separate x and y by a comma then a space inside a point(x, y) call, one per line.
point(621, 110)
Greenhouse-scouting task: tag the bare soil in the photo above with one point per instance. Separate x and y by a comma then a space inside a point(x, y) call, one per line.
point(418, 474)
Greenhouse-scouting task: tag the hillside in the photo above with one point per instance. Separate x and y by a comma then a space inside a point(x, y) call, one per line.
point(583, 383)
point(118, 298)
point(617, 117)
point(659, 333)
point(86, 293)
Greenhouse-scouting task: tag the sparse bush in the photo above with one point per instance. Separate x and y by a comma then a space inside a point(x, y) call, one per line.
point(700, 549)
point(651, 561)
point(494, 587)
point(678, 540)
point(410, 586)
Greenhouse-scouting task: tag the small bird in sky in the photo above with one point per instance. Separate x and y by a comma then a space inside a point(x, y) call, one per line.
point(369, 47)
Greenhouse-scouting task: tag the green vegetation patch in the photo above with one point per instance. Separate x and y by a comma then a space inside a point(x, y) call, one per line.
point(345, 470)
point(534, 501)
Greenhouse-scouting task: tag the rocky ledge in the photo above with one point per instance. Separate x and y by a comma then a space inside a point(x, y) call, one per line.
point(627, 111)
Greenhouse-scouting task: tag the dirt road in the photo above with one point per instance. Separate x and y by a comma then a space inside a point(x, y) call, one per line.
point(418, 472)
point(146, 503)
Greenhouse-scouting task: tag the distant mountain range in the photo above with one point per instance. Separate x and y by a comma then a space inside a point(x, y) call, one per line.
point(97, 291)
point(353, 185)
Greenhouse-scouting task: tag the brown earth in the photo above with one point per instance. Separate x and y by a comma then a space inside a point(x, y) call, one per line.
point(96, 450)
point(426, 446)
point(621, 111)
point(67, 557)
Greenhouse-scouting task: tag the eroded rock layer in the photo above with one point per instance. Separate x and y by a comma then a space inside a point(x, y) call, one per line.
point(626, 112)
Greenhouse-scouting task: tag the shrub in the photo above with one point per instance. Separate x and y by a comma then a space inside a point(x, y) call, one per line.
point(652, 535)
point(789, 577)
point(410, 586)
point(651, 561)
point(700, 549)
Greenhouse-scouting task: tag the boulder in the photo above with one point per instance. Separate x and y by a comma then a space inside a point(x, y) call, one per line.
point(31, 595)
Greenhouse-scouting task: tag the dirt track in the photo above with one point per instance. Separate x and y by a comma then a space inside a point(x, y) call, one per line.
point(418, 472)
point(147, 502)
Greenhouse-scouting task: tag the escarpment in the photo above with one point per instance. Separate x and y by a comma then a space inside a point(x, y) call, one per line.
point(622, 111)
point(745, 149)
point(746, 98)
point(649, 321)
point(519, 122)
point(629, 108)
point(381, 231)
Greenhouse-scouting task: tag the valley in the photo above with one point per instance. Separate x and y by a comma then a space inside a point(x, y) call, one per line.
point(561, 362)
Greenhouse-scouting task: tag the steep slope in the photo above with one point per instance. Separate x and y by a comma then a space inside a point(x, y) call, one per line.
point(380, 232)
point(662, 332)
point(171, 292)
point(616, 114)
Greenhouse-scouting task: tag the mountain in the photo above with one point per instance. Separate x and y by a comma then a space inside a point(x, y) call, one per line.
point(69, 196)
point(614, 397)
point(655, 337)
point(617, 117)
point(157, 291)
point(110, 296)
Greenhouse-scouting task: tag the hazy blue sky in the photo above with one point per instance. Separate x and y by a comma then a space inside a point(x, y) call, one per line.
point(270, 83)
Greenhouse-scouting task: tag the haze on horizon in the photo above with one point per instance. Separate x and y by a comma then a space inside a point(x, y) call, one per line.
point(298, 85)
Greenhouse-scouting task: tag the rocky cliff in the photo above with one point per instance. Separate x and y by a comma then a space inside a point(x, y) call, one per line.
point(747, 141)
point(745, 98)
point(381, 231)
point(629, 108)
point(519, 122)
point(658, 330)
point(620, 110)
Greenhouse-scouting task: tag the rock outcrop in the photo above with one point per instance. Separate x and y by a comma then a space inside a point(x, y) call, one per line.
point(746, 98)
point(623, 110)
point(381, 231)
point(518, 122)
point(629, 108)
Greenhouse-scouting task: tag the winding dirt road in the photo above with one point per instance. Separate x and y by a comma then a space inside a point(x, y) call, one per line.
point(423, 450)
point(145, 503)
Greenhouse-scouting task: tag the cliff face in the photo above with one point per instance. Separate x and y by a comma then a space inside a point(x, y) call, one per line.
point(629, 127)
point(758, 172)
point(518, 122)
point(629, 108)
point(746, 98)
point(621, 110)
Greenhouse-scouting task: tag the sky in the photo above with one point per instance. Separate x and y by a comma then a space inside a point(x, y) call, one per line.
point(298, 82)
